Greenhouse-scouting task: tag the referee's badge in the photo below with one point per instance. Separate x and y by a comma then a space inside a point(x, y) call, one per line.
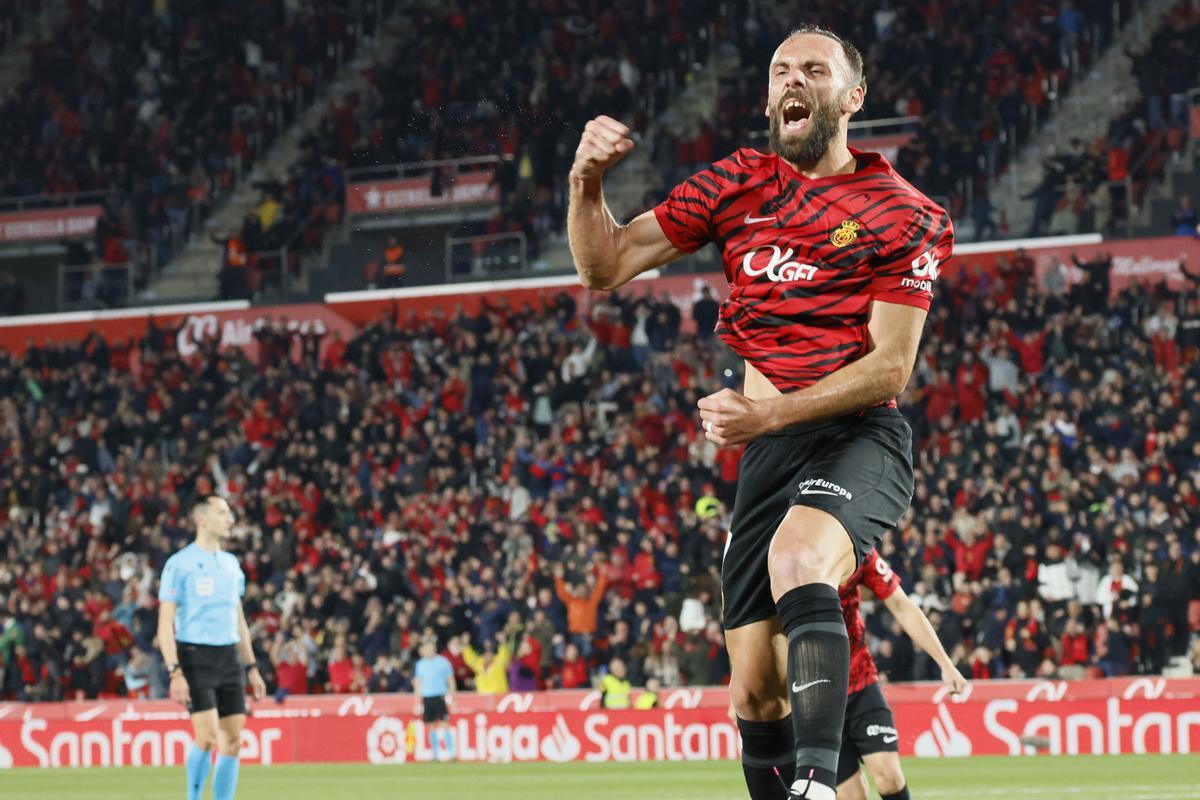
point(846, 233)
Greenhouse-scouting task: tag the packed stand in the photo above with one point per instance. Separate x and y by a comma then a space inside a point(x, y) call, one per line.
point(1094, 184)
point(16, 17)
point(515, 79)
point(976, 74)
point(529, 489)
point(156, 109)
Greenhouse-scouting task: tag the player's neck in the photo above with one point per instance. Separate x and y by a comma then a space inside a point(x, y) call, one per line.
point(838, 160)
point(206, 541)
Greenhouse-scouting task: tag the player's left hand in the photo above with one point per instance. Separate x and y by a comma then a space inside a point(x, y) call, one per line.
point(729, 418)
point(953, 679)
point(258, 687)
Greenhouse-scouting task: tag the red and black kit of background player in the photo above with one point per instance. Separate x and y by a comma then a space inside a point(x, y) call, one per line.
point(869, 726)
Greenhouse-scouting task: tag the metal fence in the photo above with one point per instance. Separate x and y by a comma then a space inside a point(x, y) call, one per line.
point(85, 287)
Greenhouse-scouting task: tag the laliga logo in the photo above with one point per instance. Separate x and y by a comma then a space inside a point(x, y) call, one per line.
point(778, 267)
point(944, 738)
point(385, 741)
point(560, 745)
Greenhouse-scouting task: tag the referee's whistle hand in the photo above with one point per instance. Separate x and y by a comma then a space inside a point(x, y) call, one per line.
point(179, 690)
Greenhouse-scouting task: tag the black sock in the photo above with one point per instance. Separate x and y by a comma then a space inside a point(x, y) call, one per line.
point(768, 757)
point(818, 677)
point(900, 795)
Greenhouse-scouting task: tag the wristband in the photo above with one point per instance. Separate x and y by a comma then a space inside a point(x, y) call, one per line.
point(172, 669)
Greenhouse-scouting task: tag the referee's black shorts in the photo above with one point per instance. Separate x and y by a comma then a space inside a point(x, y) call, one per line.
point(433, 709)
point(869, 728)
point(857, 468)
point(214, 678)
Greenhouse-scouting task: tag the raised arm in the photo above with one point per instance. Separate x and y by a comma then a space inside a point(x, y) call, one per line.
point(608, 254)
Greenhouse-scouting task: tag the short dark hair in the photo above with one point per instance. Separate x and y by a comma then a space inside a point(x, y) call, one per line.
point(858, 74)
point(201, 503)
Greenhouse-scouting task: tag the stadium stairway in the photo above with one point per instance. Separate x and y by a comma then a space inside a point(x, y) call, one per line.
point(192, 274)
point(1181, 177)
point(1084, 114)
point(625, 190)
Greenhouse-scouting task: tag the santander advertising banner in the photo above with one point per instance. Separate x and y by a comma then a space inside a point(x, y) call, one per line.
point(1129, 715)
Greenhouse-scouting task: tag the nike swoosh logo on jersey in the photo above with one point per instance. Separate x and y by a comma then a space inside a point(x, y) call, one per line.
point(749, 220)
point(806, 490)
point(890, 739)
point(797, 687)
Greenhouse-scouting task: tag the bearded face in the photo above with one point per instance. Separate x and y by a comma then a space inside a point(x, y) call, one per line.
point(802, 127)
point(811, 87)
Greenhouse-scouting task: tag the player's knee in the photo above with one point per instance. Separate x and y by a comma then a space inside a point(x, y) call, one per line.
point(206, 741)
point(799, 564)
point(756, 703)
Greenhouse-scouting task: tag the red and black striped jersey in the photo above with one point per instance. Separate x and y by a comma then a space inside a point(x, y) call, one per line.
point(805, 257)
point(876, 575)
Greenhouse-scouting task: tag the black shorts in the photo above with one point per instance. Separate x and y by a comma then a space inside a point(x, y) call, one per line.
point(214, 678)
point(434, 709)
point(858, 469)
point(870, 728)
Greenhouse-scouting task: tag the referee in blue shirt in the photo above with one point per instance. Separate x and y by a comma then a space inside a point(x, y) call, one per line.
point(206, 646)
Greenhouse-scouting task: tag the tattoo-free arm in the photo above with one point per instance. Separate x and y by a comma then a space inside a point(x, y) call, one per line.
point(894, 335)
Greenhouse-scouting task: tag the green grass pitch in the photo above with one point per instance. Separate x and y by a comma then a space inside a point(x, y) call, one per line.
point(1149, 777)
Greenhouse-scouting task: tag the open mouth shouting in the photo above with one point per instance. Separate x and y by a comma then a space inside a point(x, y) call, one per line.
point(795, 115)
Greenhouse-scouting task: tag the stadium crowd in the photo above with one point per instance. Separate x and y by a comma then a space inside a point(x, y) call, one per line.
point(976, 74)
point(1092, 185)
point(527, 487)
point(455, 88)
point(158, 108)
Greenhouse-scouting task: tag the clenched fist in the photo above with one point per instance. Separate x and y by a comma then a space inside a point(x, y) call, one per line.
point(604, 142)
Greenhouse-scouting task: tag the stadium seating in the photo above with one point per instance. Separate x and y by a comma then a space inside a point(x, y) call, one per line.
point(160, 108)
point(422, 478)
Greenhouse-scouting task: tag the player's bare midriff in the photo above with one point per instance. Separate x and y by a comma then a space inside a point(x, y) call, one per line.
point(757, 386)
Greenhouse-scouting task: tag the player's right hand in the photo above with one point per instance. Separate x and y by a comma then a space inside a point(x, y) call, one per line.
point(953, 679)
point(179, 690)
point(604, 142)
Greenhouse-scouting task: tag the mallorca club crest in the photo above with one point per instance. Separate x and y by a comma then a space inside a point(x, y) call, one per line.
point(846, 233)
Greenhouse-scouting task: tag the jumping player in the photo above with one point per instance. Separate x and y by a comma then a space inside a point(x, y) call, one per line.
point(206, 646)
point(869, 734)
point(830, 258)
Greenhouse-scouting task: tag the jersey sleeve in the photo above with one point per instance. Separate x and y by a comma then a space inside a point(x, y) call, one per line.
point(879, 576)
point(686, 216)
point(241, 582)
point(909, 267)
point(170, 583)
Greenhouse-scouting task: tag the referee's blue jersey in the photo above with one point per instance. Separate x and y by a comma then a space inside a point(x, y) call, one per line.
point(208, 588)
